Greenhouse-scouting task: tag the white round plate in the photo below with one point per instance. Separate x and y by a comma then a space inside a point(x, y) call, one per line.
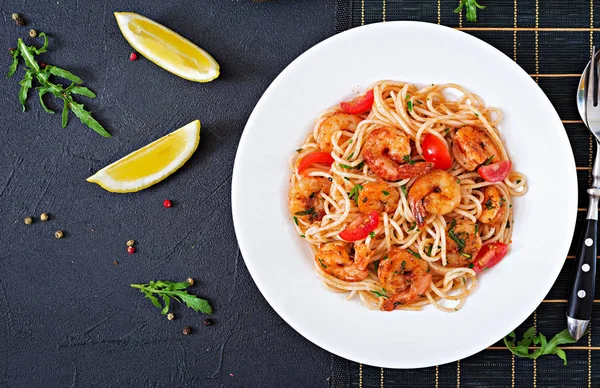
point(281, 263)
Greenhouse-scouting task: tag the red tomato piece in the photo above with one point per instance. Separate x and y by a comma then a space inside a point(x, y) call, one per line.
point(495, 172)
point(435, 151)
point(361, 227)
point(360, 104)
point(489, 256)
point(315, 157)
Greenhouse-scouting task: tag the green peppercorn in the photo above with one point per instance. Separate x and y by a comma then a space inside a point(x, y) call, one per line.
point(130, 243)
point(44, 216)
point(170, 316)
point(28, 220)
point(190, 281)
point(15, 16)
point(59, 234)
point(32, 33)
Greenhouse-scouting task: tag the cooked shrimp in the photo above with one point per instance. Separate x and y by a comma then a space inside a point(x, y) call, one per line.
point(378, 196)
point(437, 192)
point(335, 259)
point(473, 147)
point(337, 122)
point(305, 201)
point(404, 278)
point(387, 153)
point(462, 243)
point(494, 206)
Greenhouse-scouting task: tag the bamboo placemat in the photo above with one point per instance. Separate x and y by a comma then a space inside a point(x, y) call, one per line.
point(552, 41)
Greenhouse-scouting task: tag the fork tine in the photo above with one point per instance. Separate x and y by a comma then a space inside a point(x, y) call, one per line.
point(594, 77)
point(592, 111)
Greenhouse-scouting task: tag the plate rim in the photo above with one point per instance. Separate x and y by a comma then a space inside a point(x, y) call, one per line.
point(572, 186)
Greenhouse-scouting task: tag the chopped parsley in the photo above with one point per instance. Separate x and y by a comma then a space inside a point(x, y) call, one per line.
point(345, 166)
point(460, 242)
point(518, 181)
point(350, 156)
point(476, 228)
point(408, 160)
point(403, 264)
point(410, 106)
point(376, 265)
point(446, 131)
point(412, 226)
point(310, 212)
point(385, 192)
point(458, 181)
point(404, 189)
point(502, 200)
point(303, 236)
point(322, 263)
point(466, 255)
point(380, 294)
point(351, 141)
point(385, 257)
point(488, 160)
point(372, 234)
point(430, 250)
point(415, 254)
point(419, 102)
point(346, 178)
point(365, 199)
point(471, 265)
point(299, 150)
point(296, 220)
point(360, 166)
point(407, 97)
point(476, 114)
point(428, 269)
point(489, 205)
point(353, 194)
point(507, 224)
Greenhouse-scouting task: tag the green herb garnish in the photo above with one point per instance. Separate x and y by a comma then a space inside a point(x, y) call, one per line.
point(446, 131)
point(385, 192)
point(360, 166)
point(350, 156)
point(322, 263)
point(310, 212)
point(489, 204)
point(372, 234)
point(176, 290)
point(460, 242)
point(415, 254)
point(476, 228)
point(376, 265)
point(488, 160)
point(296, 220)
point(407, 97)
point(507, 224)
point(354, 193)
point(518, 181)
point(410, 106)
point(404, 190)
point(471, 265)
point(299, 150)
point(380, 294)
point(42, 75)
point(521, 349)
point(408, 160)
point(345, 166)
point(430, 250)
point(412, 226)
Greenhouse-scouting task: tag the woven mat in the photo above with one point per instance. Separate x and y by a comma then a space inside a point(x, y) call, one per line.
point(552, 41)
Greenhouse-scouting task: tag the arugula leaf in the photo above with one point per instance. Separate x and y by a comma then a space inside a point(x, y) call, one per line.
point(521, 348)
point(14, 64)
point(168, 290)
point(42, 76)
point(25, 86)
point(471, 6)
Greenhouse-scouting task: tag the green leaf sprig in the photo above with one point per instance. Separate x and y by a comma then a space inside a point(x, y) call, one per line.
point(521, 349)
point(176, 290)
point(42, 75)
point(471, 6)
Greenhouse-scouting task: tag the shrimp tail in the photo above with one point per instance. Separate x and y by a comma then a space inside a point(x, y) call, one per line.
point(418, 211)
point(407, 170)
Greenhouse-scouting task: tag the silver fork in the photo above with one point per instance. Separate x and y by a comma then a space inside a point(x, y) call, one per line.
point(583, 278)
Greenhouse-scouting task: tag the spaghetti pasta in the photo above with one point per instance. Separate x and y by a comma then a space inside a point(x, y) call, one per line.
point(442, 218)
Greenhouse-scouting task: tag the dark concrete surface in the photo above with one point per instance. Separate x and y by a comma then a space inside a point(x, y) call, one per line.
point(68, 316)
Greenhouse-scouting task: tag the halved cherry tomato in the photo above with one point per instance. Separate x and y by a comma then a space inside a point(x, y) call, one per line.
point(495, 172)
point(489, 256)
point(315, 157)
point(435, 151)
point(361, 227)
point(360, 104)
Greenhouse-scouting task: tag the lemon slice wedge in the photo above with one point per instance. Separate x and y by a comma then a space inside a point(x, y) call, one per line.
point(150, 164)
point(166, 48)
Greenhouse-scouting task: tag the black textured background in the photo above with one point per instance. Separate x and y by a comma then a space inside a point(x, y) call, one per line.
point(67, 315)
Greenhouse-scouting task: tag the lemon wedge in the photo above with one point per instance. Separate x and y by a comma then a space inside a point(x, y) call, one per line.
point(166, 48)
point(150, 164)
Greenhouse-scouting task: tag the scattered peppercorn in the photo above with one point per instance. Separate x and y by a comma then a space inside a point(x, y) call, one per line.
point(187, 330)
point(42, 65)
point(190, 281)
point(131, 250)
point(44, 216)
point(170, 316)
point(59, 234)
point(167, 203)
point(28, 220)
point(32, 33)
point(133, 56)
point(12, 50)
point(19, 21)
point(207, 322)
point(130, 243)
point(115, 262)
